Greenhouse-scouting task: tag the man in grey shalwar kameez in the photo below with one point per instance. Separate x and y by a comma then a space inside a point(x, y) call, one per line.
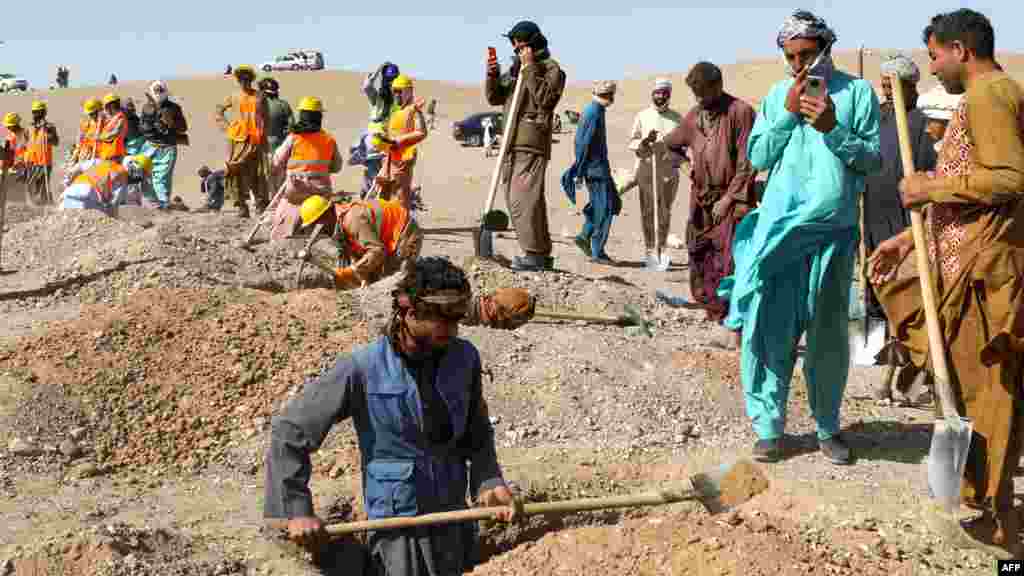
point(414, 397)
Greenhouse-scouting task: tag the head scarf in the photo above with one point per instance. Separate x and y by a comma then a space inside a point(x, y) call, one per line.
point(604, 87)
point(902, 67)
point(662, 84)
point(158, 90)
point(803, 24)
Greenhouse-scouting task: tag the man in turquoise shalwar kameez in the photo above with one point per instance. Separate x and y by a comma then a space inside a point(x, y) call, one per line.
point(794, 255)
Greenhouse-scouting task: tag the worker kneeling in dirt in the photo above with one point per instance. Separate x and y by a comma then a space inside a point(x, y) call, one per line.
point(104, 185)
point(414, 397)
point(378, 238)
point(387, 239)
point(308, 156)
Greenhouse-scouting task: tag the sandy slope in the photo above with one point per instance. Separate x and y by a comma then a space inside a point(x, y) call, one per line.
point(445, 164)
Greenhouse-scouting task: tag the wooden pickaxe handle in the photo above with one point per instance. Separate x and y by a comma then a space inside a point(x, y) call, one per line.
point(580, 316)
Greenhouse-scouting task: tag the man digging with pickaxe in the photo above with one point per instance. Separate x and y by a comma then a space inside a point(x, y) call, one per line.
point(377, 238)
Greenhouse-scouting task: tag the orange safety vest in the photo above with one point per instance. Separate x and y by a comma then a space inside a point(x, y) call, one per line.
point(40, 149)
point(248, 127)
point(311, 153)
point(88, 132)
point(402, 121)
point(388, 218)
point(18, 146)
point(103, 178)
point(115, 149)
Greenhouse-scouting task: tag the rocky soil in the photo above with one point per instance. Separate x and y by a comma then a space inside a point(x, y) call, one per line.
point(135, 402)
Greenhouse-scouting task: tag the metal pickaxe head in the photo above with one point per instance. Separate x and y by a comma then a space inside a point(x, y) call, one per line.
point(633, 317)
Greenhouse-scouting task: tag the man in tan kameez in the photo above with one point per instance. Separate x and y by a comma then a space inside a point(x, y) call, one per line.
point(975, 225)
point(246, 169)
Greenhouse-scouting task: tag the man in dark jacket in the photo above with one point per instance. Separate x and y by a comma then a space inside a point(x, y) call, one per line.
point(591, 166)
point(884, 214)
point(530, 132)
point(415, 399)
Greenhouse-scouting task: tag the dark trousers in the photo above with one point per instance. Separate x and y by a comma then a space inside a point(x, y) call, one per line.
point(523, 180)
point(599, 213)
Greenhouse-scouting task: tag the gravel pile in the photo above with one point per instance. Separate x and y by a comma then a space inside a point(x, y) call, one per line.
point(120, 550)
point(172, 380)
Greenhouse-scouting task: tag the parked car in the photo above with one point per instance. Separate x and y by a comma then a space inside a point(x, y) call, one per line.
point(470, 131)
point(298, 60)
point(10, 83)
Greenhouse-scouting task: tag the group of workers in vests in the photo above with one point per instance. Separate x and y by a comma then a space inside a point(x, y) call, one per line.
point(99, 173)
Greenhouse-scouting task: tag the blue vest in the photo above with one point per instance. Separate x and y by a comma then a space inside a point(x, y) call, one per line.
point(403, 473)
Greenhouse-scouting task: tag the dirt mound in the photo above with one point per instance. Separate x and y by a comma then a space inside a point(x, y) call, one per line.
point(687, 543)
point(120, 550)
point(84, 256)
point(174, 379)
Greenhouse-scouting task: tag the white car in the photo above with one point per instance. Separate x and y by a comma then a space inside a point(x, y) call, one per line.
point(10, 83)
point(298, 60)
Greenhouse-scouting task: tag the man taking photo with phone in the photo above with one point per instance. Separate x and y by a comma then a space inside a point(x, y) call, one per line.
point(526, 162)
point(794, 254)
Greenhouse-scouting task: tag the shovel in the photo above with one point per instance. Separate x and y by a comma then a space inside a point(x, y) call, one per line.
point(718, 491)
point(632, 317)
point(951, 438)
point(304, 253)
point(658, 261)
point(490, 220)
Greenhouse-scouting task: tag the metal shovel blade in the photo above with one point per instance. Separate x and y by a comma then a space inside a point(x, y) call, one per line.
point(947, 457)
point(729, 485)
point(656, 264)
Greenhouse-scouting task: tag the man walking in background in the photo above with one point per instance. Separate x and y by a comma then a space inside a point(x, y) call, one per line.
point(247, 167)
point(529, 152)
point(591, 166)
point(716, 133)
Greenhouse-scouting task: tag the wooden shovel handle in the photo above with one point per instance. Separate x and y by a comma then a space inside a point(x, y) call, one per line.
point(936, 345)
point(577, 316)
point(476, 514)
point(506, 142)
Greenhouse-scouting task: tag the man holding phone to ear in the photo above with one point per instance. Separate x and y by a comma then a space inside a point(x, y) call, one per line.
point(525, 166)
point(817, 135)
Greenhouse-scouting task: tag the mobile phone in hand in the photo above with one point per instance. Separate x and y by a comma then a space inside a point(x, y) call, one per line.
point(815, 87)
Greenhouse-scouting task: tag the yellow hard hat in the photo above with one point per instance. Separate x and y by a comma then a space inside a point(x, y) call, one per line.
point(401, 82)
point(11, 119)
point(38, 105)
point(313, 208)
point(111, 98)
point(311, 104)
point(144, 162)
point(245, 68)
point(91, 105)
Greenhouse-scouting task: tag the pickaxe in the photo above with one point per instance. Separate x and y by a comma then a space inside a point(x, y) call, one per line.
point(631, 317)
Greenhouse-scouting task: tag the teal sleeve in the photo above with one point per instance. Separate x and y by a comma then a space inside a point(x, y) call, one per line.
point(858, 146)
point(772, 130)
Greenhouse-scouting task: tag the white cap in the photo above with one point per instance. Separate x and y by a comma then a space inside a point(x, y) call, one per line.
point(662, 84)
point(937, 104)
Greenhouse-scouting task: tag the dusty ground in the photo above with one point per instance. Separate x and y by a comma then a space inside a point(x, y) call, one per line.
point(141, 360)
